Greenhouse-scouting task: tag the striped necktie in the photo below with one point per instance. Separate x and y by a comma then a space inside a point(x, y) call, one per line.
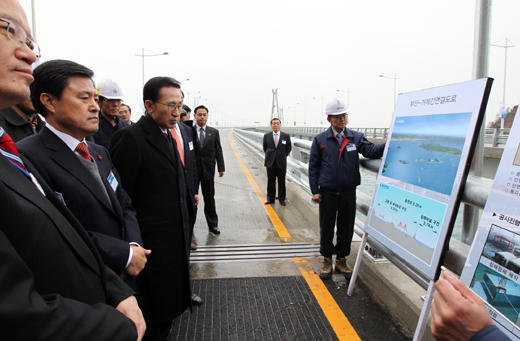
point(340, 138)
point(9, 150)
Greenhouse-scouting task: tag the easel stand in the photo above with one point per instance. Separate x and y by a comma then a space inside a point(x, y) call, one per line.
point(425, 311)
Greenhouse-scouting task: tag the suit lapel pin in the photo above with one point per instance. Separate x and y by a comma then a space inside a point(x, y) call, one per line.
point(99, 157)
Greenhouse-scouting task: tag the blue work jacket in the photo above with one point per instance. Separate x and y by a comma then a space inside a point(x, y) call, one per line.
point(334, 168)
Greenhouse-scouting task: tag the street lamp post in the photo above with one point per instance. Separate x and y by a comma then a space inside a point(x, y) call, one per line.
point(190, 93)
point(348, 96)
point(305, 113)
point(395, 77)
point(321, 115)
point(195, 99)
point(152, 54)
point(506, 46)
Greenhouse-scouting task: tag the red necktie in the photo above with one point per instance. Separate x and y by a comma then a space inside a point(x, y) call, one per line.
point(9, 150)
point(179, 146)
point(82, 150)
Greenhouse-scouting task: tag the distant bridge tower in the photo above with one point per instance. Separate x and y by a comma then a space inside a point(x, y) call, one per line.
point(278, 113)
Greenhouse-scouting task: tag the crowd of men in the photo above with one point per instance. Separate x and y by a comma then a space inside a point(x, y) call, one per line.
point(97, 210)
point(79, 240)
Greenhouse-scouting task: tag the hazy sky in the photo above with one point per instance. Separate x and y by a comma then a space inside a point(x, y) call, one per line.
point(236, 52)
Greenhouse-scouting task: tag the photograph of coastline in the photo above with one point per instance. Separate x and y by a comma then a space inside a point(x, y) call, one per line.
point(425, 151)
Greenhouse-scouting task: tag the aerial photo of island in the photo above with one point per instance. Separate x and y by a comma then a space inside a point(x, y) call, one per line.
point(426, 150)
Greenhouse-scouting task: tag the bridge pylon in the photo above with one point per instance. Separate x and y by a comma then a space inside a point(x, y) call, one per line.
point(275, 109)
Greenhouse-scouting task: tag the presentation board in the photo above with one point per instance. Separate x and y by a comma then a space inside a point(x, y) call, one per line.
point(493, 265)
point(424, 167)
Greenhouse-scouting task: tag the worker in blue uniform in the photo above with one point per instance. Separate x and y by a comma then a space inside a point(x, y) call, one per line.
point(333, 178)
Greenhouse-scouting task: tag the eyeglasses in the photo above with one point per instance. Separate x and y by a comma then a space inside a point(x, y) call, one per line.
point(17, 34)
point(338, 117)
point(172, 107)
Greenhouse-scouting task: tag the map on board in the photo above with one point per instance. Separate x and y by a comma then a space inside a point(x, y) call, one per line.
point(423, 170)
point(409, 220)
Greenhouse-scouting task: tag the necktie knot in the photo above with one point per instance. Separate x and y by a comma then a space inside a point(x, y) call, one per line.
point(201, 136)
point(82, 150)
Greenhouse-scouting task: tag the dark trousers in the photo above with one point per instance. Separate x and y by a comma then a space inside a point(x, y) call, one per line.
point(339, 210)
point(210, 211)
point(274, 172)
point(157, 331)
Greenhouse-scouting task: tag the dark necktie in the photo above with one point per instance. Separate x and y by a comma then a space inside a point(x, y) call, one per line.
point(9, 150)
point(340, 138)
point(201, 137)
point(82, 150)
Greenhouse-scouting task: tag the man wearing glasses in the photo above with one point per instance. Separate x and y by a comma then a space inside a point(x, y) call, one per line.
point(147, 158)
point(333, 178)
point(53, 285)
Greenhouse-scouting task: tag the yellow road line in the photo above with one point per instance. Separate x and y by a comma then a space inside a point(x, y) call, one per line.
point(278, 225)
point(335, 316)
point(337, 319)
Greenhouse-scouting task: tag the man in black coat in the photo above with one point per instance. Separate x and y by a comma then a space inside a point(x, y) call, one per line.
point(277, 146)
point(88, 185)
point(54, 285)
point(209, 152)
point(152, 174)
point(183, 136)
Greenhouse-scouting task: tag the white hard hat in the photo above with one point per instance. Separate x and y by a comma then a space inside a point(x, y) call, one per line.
point(109, 89)
point(336, 107)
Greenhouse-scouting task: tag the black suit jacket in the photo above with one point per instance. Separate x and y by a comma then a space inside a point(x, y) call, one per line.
point(106, 130)
point(209, 154)
point(152, 174)
point(53, 284)
point(278, 154)
point(112, 224)
point(190, 163)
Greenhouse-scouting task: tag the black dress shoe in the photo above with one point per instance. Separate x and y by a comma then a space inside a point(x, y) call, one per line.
point(214, 230)
point(196, 300)
point(282, 203)
point(268, 202)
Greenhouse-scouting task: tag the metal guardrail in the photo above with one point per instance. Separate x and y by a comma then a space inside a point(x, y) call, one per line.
point(369, 132)
point(475, 194)
point(496, 137)
point(493, 137)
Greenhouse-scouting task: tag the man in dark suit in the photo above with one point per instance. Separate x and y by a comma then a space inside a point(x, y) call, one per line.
point(53, 283)
point(183, 137)
point(277, 146)
point(82, 173)
point(209, 152)
point(151, 171)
